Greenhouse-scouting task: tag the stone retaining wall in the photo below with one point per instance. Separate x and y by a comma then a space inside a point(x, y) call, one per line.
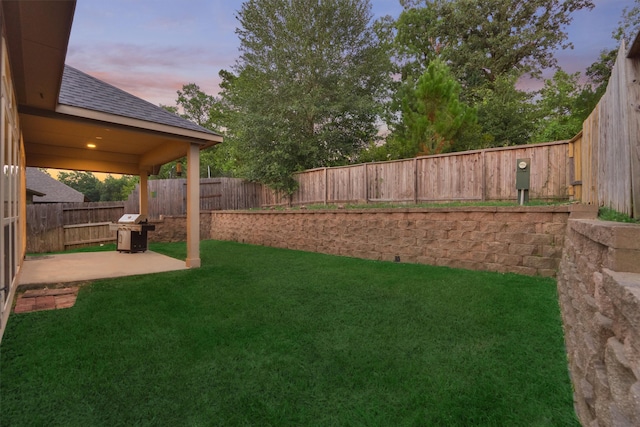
point(525, 240)
point(599, 289)
point(174, 228)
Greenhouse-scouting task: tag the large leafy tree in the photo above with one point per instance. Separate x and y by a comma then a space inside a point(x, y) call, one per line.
point(482, 40)
point(116, 189)
point(207, 111)
point(199, 107)
point(111, 189)
point(305, 91)
point(84, 182)
point(562, 107)
point(506, 113)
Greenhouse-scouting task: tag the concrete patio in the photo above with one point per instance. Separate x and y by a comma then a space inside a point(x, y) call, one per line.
point(76, 267)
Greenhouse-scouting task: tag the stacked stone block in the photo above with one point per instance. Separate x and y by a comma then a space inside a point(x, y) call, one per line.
point(525, 240)
point(174, 228)
point(599, 290)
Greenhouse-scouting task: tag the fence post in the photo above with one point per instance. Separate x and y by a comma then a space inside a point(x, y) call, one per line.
point(366, 182)
point(415, 181)
point(326, 187)
point(633, 124)
point(484, 176)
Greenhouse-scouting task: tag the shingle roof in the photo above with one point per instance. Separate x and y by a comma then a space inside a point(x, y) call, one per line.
point(84, 91)
point(55, 191)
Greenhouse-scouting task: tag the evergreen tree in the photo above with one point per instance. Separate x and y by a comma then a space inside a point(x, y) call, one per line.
point(433, 113)
point(434, 119)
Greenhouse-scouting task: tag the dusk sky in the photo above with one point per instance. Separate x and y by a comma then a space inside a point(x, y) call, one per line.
point(151, 48)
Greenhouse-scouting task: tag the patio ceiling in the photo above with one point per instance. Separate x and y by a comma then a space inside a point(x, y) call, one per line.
point(130, 135)
point(122, 145)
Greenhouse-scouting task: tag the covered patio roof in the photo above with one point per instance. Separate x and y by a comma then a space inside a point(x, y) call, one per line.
point(70, 120)
point(62, 109)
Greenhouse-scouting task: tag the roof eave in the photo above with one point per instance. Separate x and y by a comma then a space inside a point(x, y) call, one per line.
point(202, 138)
point(38, 34)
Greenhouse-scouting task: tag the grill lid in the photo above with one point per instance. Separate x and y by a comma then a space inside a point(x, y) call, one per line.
point(132, 219)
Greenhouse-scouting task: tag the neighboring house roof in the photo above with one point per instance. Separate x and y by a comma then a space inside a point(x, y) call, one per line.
point(32, 193)
point(54, 191)
point(84, 91)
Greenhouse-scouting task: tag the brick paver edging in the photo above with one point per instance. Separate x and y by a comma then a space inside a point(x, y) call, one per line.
point(45, 299)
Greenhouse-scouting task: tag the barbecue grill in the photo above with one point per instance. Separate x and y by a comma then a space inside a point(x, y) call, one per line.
point(132, 233)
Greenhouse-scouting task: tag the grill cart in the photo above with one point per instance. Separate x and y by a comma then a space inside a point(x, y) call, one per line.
point(132, 233)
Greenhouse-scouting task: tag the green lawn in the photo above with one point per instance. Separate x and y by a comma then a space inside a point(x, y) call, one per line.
point(263, 336)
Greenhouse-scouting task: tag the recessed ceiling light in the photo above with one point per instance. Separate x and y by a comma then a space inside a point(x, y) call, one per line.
point(98, 137)
point(91, 145)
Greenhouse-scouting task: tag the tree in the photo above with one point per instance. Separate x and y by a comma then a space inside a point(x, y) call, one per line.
point(629, 24)
point(563, 107)
point(505, 113)
point(84, 182)
point(434, 118)
point(170, 108)
point(482, 40)
point(488, 46)
point(209, 112)
point(206, 111)
point(600, 71)
point(306, 90)
point(628, 27)
point(111, 189)
point(199, 107)
point(116, 189)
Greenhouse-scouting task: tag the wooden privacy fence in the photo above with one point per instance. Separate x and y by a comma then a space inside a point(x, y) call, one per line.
point(606, 154)
point(169, 196)
point(54, 227)
point(479, 175)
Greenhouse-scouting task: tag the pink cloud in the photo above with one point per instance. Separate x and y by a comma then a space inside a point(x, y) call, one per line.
point(155, 87)
point(151, 73)
point(132, 56)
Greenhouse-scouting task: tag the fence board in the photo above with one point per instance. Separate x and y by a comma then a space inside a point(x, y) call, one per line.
point(54, 227)
point(311, 189)
point(168, 196)
point(44, 228)
point(79, 213)
point(549, 172)
point(610, 157)
point(391, 181)
point(470, 176)
point(347, 184)
point(81, 235)
point(633, 96)
point(451, 177)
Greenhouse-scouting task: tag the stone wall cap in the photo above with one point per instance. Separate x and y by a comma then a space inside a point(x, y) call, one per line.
point(505, 209)
point(630, 280)
point(580, 211)
point(617, 235)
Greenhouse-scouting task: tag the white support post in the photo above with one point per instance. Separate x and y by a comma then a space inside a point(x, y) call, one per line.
point(193, 206)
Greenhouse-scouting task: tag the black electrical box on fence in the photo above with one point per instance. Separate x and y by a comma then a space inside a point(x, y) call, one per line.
point(523, 179)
